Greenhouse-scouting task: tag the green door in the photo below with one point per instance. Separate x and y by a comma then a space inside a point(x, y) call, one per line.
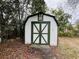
point(40, 32)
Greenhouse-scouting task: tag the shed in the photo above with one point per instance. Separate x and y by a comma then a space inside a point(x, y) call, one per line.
point(41, 28)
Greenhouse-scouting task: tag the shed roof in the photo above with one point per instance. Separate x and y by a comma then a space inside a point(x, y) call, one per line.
point(43, 14)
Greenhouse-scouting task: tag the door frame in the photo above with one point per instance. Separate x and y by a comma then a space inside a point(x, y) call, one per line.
point(48, 34)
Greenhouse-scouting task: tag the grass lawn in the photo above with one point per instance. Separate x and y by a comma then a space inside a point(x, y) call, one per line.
point(69, 47)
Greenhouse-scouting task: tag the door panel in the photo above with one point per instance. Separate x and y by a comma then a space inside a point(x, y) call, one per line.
point(35, 37)
point(36, 28)
point(44, 28)
point(42, 40)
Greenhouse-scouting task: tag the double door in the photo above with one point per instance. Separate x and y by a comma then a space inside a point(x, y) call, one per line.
point(40, 32)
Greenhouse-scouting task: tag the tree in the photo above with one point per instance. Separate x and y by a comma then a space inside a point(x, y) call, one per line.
point(7, 14)
point(77, 31)
point(38, 6)
point(62, 19)
point(11, 16)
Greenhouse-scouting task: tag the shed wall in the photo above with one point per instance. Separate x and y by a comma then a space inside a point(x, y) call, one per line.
point(53, 29)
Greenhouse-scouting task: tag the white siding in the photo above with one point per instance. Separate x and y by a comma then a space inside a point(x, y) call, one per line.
point(28, 29)
point(53, 30)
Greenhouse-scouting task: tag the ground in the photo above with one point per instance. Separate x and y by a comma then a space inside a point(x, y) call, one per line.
point(67, 49)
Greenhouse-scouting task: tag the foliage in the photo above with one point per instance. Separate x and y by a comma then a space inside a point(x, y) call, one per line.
point(14, 12)
point(77, 30)
point(11, 17)
point(62, 19)
point(38, 6)
point(7, 12)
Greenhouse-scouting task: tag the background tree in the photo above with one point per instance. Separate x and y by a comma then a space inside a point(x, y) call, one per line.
point(62, 19)
point(11, 17)
point(77, 29)
point(7, 12)
point(38, 6)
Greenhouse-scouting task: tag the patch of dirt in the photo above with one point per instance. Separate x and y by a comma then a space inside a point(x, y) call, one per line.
point(72, 42)
point(17, 50)
point(69, 47)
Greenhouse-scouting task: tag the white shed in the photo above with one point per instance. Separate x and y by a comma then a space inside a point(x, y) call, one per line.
point(41, 28)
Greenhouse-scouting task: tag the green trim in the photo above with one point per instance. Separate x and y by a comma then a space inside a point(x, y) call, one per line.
point(49, 33)
point(40, 30)
point(40, 44)
point(40, 34)
point(31, 33)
